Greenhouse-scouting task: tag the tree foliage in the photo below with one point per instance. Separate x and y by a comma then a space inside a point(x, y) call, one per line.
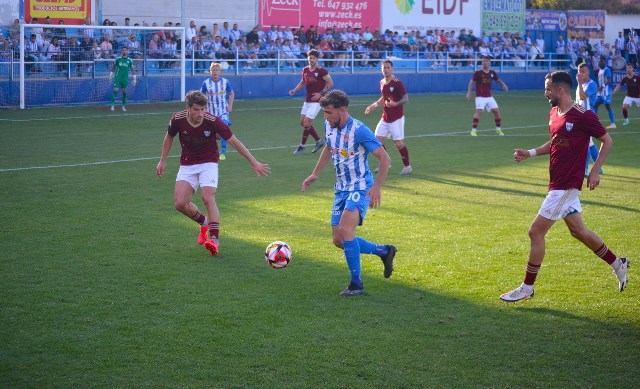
point(611, 6)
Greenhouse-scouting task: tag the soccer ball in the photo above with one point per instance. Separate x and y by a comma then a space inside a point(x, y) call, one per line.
point(278, 254)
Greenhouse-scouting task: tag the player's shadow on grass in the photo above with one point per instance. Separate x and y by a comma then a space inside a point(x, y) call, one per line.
point(536, 194)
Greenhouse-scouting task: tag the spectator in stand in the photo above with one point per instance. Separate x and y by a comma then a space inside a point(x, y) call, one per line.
point(227, 52)
point(106, 48)
point(287, 34)
point(632, 50)
point(191, 31)
point(134, 47)
point(620, 46)
point(107, 33)
point(86, 49)
point(340, 51)
point(201, 49)
point(235, 34)
point(170, 52)
point(301, 34)
point(14, 32)
point(54, 52)
point(226, 31)
point(70, 49)
point(154, 51)
point(33, 54)
point(88, 31)
point(252, 36)
point(367, 35)
point(541, 43)
point(272, 34)
point(536, 56)
point(312, 35)
point(60, 32)
point(325, 52)
point(362, 53)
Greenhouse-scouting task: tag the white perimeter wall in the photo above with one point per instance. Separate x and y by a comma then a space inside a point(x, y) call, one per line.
point(617, 23)
point(243, 12)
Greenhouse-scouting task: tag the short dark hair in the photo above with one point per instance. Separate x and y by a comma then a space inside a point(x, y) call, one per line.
point(560, 77)
point(390, 62)
point(313, 52)
point(336, 97)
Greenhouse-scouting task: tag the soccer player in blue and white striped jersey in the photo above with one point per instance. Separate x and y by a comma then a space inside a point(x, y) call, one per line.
point(348, 145)
point(219, 92)
point(605, 89)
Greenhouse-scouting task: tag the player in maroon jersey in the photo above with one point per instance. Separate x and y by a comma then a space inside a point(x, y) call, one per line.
point(317, 81)
point(570, 126)
point(483, 79)
point(394, 97)
point(198, 130)
point(632, 81)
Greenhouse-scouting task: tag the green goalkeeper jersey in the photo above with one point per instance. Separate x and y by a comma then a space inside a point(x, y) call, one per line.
point(123, 65)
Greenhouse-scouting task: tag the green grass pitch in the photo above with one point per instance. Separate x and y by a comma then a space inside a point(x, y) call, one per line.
point(102, 283)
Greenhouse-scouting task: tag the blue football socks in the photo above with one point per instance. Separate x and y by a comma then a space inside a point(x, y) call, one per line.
point(352, 254)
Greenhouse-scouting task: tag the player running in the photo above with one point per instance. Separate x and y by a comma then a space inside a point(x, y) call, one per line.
point(317, 81)
point(632, 81)
point(394, 97)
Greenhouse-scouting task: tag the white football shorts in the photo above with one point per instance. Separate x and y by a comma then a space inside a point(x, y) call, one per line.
point(204, 174)
point(486, 103)
point(310, 110)
point(394, 130)
point(560, 203)
point(630, 101)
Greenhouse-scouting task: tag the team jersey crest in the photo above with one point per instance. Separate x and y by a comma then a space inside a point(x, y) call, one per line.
point(569, 127)
point(207, 133)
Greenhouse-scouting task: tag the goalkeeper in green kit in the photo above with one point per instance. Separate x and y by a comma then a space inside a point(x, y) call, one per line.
point(120, 76)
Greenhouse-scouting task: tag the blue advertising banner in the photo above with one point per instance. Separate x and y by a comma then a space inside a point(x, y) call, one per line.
point(588, 24)
point(546, 20)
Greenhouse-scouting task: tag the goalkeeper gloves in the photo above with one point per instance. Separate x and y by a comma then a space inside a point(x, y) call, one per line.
point(110, 76)
point(135, 79)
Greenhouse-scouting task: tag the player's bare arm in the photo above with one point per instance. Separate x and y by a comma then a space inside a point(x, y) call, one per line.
point(297, 88)
point(521, 154)
point(166, 147)
point(374, 194)
point(469, 88)
point(370, 108)
point(504, 86)
point(261, 169)
point(325, 157)
point(328, 85)
point(231, 98)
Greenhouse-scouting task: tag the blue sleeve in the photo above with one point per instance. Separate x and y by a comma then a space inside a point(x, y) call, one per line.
point(203, 88)
point(229, 88)
point(592, 89)
point(367, 138)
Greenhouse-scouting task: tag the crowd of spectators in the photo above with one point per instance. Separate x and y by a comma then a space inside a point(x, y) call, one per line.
point(286, 46)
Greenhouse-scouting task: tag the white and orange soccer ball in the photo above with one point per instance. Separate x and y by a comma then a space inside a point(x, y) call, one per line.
point(278, 254)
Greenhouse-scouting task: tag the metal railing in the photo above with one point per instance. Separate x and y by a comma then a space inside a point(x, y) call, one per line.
point(77, 65)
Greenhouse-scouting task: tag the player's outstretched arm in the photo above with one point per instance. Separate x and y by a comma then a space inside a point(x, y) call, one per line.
point(261, 169)
point(521, 154)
